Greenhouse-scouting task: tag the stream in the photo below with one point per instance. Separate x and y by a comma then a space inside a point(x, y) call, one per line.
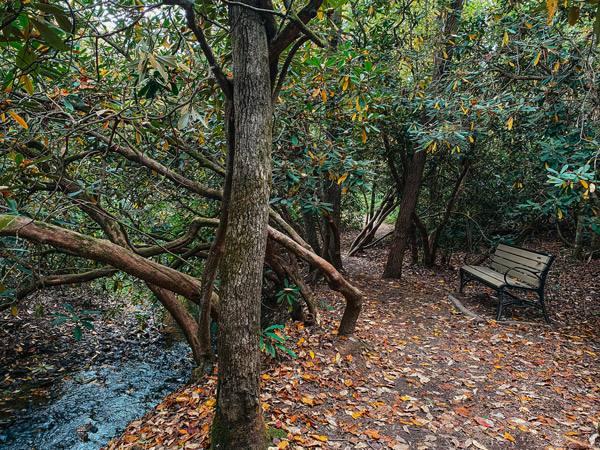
point(84, 409)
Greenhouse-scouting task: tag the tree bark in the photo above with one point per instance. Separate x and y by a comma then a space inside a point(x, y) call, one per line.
point(238, 422)
point(412, 186)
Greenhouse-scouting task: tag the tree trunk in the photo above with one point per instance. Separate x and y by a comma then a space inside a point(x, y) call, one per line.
point(310, 230)
point(215, 255)
point(579, 233)
point(410, 195)
point(238, 422)
point(332, 223)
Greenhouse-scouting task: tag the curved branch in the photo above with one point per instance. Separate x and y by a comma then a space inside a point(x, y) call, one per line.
point(102, 251)
point(138, 157)
point(291, 30)
point(61, 280)
point(353, 295)
point(286, 66)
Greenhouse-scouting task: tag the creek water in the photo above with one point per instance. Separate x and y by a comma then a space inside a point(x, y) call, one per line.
point(87, 408)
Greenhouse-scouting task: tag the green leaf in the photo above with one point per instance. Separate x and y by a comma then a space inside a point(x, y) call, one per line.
point(69, 308)
point(77, 333)
point(59, 320)
point(26, 59)
point(49, 35)
point(88, 325)
point(59, 14)
point(275, 337)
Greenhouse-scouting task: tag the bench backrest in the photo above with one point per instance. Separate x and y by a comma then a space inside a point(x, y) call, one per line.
point(506, 257)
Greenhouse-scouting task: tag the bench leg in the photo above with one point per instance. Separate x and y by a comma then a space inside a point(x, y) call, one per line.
point(541, 296)
point(500, 305)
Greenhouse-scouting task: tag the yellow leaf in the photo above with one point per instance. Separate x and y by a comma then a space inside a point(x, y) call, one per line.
point(364, 136)
point(320, 14)
point(154, 172)
point(342, 178)
point(471, 139)
point(537, 59)
point(528, 25)
point(166, 145)
point(505, 39)
point(138, 138)
point(371, 11)
point(319, 438)
point(508, 437)
point(357, 414)
point(2, 117)
point(14, 310)
point(346, 81)
point(283, 444)
point(152, 60)
point(560, 214)
point(28, 85)
point(316, 92)
point(552, 6)
point(312, 354)
point(510, 123)
point(324, 95)
point(211, 402)
point(18, 119)
point(584, 183)
point(308, 401)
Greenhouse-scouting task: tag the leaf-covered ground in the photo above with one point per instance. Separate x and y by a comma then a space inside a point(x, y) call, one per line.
point(420, 375)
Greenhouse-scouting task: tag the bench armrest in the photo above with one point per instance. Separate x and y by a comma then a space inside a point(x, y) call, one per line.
point(535, 273)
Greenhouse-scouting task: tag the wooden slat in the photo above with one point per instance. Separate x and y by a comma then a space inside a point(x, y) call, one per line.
point(510, 260)
point(524, 253)
point(502, 265)
point(493, 277)
point(523, 276)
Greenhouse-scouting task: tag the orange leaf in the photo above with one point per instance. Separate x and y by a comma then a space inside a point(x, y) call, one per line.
point(462, 411)
point(283, 444)
point(374, 434)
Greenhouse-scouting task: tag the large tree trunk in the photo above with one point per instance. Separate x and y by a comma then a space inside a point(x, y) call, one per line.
point(238, 422)
point(410, 195)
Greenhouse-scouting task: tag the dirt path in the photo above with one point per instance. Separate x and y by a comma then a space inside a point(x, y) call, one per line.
point(419, 376)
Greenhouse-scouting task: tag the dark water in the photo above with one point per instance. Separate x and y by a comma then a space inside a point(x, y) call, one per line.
point(88, 408)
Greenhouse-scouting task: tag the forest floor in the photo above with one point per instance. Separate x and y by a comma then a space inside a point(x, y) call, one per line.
point(420, 374)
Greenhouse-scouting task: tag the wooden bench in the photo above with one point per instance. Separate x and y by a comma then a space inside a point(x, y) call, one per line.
point(512, 268)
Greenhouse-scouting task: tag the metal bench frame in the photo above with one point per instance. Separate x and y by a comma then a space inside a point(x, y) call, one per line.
point(517, 277)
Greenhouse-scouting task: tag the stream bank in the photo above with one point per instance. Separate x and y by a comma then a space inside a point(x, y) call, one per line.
point(58, 393)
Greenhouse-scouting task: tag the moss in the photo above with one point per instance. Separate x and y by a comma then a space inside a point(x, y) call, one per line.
point(273, 432)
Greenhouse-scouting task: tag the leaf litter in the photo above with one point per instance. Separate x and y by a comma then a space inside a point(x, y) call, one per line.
point(419, 374)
